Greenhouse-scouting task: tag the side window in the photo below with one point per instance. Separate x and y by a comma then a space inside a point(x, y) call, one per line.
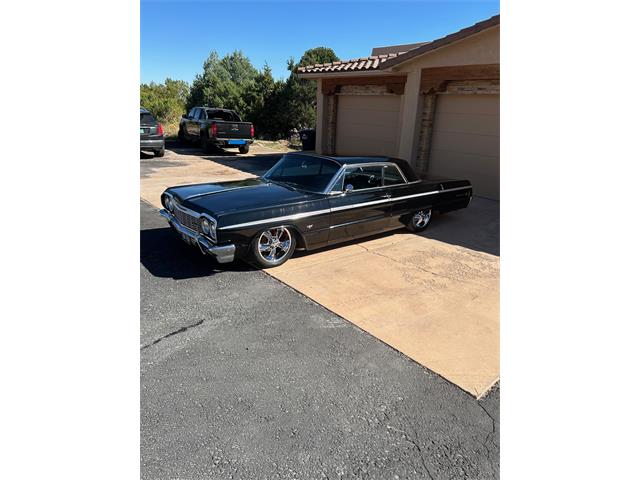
point(363, 177)
point(191, 112)
point(339, 185)
point(196, 113)
point(392, 176)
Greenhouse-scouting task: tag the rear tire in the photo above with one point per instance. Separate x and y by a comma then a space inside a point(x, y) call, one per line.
point(159, 153)
point(419, 220)
point(205, 145)
point(273, 246)
point(244, 149)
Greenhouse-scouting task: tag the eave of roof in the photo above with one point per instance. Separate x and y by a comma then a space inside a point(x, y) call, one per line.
point(446, 40)
point(372, 62)
point(380, 63)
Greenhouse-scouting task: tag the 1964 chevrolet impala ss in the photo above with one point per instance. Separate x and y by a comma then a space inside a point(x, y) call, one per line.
point(307, 201)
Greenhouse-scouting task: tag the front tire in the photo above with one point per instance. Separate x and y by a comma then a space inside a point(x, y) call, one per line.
point(243, 149)
point(419, 220)
point(159, 153)
point(273, 246)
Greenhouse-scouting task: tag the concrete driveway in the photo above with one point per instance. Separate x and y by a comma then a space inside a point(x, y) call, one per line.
point(243, 377)
point(433, 297)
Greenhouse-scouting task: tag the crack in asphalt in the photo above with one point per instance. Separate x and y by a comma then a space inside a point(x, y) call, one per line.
point(491, 435)
point(175, 332)
point(409, 439)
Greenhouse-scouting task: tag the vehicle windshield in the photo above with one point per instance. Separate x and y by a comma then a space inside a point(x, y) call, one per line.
point(304, 172)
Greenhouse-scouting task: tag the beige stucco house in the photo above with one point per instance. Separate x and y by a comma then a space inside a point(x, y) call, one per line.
point(435, 104)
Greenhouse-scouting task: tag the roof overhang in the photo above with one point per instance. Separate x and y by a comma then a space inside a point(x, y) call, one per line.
point(443, 42)
point(356, 73)
point(388, 66)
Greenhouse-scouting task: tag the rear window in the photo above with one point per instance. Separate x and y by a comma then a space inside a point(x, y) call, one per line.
point(223, 115)
point(147, 119)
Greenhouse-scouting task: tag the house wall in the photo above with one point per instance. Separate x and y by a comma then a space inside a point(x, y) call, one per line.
point(480, 49)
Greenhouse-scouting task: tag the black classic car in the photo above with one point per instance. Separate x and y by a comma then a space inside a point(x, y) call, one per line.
point(307, 201)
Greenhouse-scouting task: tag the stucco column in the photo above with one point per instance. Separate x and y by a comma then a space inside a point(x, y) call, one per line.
point(409, 117)
point(426, 132)
point(320, 109)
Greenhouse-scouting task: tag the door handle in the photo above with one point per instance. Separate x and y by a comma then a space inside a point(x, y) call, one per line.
point(387, 195)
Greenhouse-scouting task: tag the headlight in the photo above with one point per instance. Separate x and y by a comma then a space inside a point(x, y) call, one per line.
point(169, 204)
point(206, 226)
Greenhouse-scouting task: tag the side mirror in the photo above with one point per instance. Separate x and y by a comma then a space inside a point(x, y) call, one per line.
point(348, 188)
point(184, 115)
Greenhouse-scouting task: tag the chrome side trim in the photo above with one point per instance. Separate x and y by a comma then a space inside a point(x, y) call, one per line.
point(277, 219)
point(358, 205)
point(335, 209)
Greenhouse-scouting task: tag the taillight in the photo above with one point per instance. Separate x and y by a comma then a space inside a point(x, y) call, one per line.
point(214, 130)
point(160, 130)
point(252, 131)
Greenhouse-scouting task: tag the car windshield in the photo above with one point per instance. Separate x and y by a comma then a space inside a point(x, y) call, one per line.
point(305, 172)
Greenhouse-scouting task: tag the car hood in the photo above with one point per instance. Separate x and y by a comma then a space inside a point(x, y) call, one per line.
point(225, 197)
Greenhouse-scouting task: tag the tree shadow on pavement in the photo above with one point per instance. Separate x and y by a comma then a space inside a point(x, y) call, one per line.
point(164, 255)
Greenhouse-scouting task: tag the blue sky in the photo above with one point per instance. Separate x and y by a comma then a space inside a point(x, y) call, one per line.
point(177, 36)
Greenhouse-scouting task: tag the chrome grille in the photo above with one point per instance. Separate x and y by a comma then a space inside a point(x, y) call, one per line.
point(187, 220)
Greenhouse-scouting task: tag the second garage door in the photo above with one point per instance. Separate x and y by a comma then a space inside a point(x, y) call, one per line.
point(367, 125)
point(466, 141)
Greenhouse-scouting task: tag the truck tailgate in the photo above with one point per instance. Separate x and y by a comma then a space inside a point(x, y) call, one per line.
point(233, 129)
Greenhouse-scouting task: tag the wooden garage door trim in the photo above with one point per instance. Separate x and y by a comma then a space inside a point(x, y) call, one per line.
point(394, 83)
point(435, 79)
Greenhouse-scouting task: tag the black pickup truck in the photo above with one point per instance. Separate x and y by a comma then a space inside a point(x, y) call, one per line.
point(216, 127)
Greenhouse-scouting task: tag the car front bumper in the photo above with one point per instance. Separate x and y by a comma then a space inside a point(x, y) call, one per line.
point(222, 253)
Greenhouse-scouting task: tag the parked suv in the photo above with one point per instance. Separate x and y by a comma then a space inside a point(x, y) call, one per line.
point(216, 127)
point(151, 134)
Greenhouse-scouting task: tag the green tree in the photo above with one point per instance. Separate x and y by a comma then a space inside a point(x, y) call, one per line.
point(166, 101)
point(300, 94)
point(223, 82)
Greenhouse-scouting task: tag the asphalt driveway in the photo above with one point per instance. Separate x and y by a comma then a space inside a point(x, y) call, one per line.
point(243, 377)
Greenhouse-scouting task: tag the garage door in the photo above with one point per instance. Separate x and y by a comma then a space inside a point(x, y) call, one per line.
point(466, 141)
point(367, 125)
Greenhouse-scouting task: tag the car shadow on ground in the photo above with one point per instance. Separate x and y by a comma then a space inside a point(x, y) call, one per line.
point(476, 228)
point(164, 255)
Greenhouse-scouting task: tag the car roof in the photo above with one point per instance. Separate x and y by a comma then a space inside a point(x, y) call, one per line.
point(143, 110)
point(405, 166)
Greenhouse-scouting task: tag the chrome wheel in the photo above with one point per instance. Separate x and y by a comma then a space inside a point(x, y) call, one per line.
point(274, 244)
point(421, 218)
